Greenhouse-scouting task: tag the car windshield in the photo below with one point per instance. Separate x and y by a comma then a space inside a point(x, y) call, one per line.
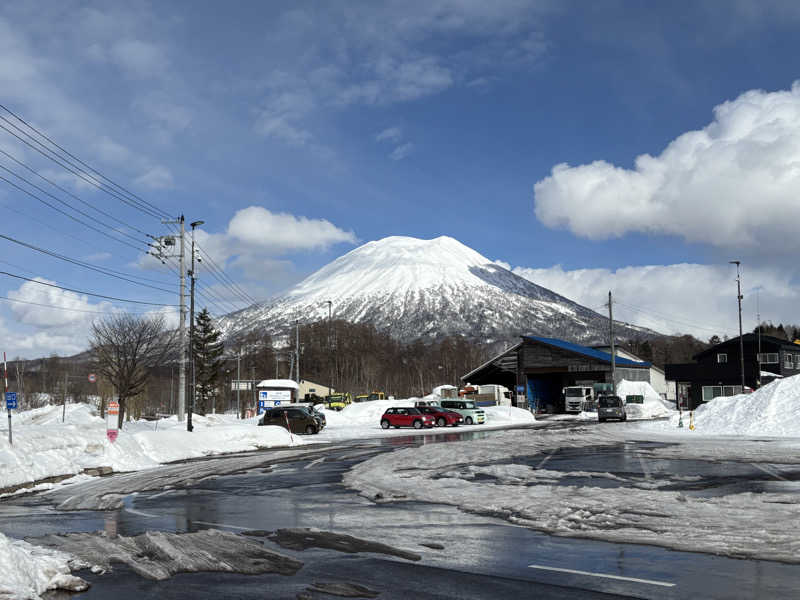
point(573, 392)
point(609, 402)
point(469, 405)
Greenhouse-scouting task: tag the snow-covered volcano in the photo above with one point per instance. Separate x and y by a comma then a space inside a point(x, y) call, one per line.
point(416, 288)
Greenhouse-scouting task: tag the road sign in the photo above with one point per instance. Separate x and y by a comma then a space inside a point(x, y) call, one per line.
point(112, 435)
point(520, 389)
point(11, 400)
point(92, 378)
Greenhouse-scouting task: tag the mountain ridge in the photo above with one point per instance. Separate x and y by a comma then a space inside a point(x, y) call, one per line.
point(427, 289)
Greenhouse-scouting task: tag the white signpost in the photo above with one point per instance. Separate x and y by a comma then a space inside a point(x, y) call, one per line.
point(112, 414)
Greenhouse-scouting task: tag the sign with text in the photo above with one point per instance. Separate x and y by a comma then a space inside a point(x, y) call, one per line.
point(11, 400)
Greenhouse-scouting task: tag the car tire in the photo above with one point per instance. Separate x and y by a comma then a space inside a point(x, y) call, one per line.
point(468, 421)
point(601, 420)
point(417, 424)
point(625, 418)
point(310, 430)
point(441, 422)
point(385, 424)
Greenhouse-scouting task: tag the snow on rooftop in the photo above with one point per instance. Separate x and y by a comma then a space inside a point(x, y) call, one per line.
point(278, 383)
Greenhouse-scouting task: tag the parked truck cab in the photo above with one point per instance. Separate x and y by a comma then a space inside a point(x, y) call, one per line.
point(578, 398)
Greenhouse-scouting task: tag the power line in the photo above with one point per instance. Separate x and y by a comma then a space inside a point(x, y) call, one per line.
point(52, 285)
point(103, 270)
point(66, 214)
point(120, 192)
point(65, 203)
point(55, 185)
point(669, 319)
point(80, 310)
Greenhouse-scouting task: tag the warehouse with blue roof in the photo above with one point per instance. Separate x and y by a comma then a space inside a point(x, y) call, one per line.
point(539, 368)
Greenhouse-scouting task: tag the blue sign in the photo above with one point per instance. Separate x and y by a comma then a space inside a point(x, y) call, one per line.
point(520, 389)
point(11, 400)
point(277, 402)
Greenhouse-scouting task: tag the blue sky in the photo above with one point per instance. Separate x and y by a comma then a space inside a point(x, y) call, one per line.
point(297, 132)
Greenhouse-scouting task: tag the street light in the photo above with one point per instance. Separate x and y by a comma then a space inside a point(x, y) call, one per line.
point(192, 274)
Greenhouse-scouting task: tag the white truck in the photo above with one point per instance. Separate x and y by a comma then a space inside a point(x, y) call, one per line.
point(577, 398)
point(496, 394)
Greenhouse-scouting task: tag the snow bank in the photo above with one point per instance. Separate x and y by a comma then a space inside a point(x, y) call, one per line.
point(653, 408)
point(29, 571)
point(497, 415)
point(773, 410)
point(45, 447)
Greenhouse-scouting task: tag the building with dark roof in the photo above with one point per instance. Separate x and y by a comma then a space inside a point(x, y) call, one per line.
point(717, 370)
point(538, 368)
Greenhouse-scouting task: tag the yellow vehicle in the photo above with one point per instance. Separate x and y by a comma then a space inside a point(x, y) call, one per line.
point(368, 397)
point(338, 401)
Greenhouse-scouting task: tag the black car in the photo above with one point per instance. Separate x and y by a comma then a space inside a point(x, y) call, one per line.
point(295, 419)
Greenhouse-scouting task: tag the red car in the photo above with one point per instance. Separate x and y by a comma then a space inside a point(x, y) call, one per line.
point(442, 416)
point(406, 417)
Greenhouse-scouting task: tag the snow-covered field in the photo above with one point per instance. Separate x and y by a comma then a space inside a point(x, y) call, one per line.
point(45, 447)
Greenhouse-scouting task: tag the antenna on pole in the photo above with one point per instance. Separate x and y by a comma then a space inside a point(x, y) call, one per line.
point(739, 299)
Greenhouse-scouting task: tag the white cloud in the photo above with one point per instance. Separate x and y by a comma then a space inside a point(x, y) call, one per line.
point(156, 178)
point(282, 232)
point(52, 308)
point(681, 298)
point(402, 151)
point(393, 134)
point(732, 184)
point(256, 238)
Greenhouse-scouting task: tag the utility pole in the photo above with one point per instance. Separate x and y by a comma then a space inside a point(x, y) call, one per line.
point(64, 406)
point(613, 351)
point(164, 243)
point(330, 345)
point(739, 298)
point(5, 388)
point(238, 382)
point(193, 396)
point(297, 348)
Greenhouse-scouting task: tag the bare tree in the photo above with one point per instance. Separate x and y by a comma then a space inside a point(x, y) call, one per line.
point(126, 347)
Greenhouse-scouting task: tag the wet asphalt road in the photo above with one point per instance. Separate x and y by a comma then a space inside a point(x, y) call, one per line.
point(479, 558)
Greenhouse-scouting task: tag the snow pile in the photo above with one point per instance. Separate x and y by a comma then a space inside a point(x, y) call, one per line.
point(497, 415)
point(773, 410)
point(29, 571)
point(653, 407)
point(45, 447)
point(437, 391)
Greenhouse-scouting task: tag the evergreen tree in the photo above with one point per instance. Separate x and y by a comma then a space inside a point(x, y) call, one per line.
point(208, 350)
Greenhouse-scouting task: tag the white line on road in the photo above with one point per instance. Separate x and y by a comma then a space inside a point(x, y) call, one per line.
point(314, 462)
point(133, 511)
point(769, 471)
point(159, 494)
point(604, 575)
point(545, 459)
point(222, 525)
